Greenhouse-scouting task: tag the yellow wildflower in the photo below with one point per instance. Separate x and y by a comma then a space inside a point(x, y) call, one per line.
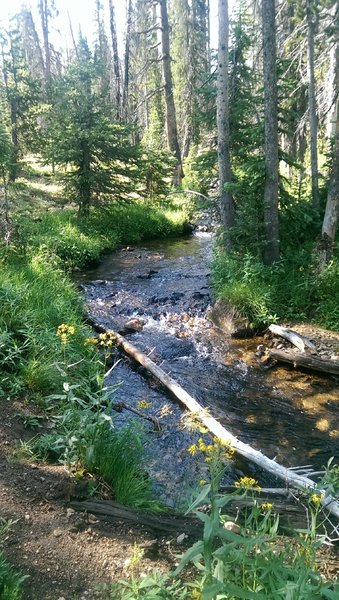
point(196, 595)
point(64, 331)
point(91, 341)
point(193, 449)
point(317, 498)
point(107, 339)
point(202, 445)
point(266, 506)
point(202, 482)
point(247, 483)
point(142, 404)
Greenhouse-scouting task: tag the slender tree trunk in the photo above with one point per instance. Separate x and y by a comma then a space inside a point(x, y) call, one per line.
point(224, 161)
point(43, 8)
point(171, 120)
point(312, 104)
point(13, 105)
point(126, 69)
point(331, 217)
point(116, 63)
point(31, 24)
point(271, 221)
point(85, 180)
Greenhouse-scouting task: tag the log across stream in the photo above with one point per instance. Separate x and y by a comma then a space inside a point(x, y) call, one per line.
point(164, 288)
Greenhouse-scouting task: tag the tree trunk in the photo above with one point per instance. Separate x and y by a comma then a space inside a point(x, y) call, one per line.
point(312, 105)
point(43, 8)
point(271, 221)
point(126, 68)
point(85, 180)
point(331, 217)
point(171, 120)
point(224, 161)
point(116, 63)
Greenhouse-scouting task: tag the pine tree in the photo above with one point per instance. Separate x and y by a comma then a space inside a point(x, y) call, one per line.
point(83, 135)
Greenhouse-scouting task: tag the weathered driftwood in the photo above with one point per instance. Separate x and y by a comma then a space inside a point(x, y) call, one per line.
point(291, 514)
point(290, 477)
point(292, 337)
point(170, 523)
point(308, 362)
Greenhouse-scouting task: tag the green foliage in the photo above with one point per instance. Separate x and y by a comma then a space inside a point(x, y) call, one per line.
point(10, 580)
point(117, 458)
point(247, 560)
point(292, 289)
point(200, 169)
point(157, 586)
point(79, 242)
point(35, 298)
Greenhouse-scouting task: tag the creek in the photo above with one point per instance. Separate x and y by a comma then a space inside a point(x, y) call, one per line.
point(163, 289)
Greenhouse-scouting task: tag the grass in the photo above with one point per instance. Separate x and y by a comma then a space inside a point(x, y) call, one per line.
point(117, 459)
point(37, 296)
point(10, 579)
point(292, 289)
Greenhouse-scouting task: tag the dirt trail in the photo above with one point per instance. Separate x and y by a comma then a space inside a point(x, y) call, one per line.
point(66, 554)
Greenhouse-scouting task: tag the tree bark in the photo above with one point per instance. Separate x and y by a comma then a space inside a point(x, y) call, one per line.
point(126, 67)
point(331, 217)
point(224, 160)
point(312, 103)
point(271, 220)
point(116, 63)
point(43, 8)
point(329, 367)
point(171, 119)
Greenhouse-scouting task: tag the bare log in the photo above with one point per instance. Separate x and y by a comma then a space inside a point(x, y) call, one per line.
point(293, 337)
point(214, 427)
point(330, 367)
point(170, 523)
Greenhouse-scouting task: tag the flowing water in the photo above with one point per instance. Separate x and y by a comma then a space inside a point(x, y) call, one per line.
point(164, 288)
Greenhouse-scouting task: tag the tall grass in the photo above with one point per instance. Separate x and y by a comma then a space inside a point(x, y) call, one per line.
point(77, 242)
point(117, 458)
point(292, 289)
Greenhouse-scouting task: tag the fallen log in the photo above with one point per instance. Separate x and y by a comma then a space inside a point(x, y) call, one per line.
point(290, 513)
point(171, 523)
point(330, 367)
point(292, 337)
point(290, 477)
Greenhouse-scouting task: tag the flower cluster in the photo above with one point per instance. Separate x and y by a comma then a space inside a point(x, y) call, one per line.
point(316, 499)
point(91, 341)
point(247, 483)
point(266, 506)
point(107, 340)
point(220, 449)
point(143, 404)
point(64, 331)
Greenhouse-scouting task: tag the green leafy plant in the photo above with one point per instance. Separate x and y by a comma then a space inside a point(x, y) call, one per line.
point(10, 579)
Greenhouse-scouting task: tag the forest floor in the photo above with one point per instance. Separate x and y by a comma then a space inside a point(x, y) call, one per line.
point(66, 554)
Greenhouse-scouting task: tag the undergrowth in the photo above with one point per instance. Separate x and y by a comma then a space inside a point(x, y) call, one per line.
point(292, 289)
point(248, 559)
point(10, 579)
